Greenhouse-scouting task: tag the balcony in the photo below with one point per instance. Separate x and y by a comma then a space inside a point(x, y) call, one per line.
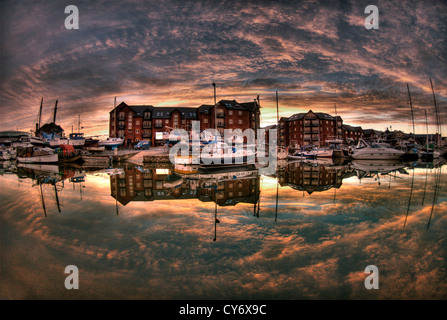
point(221, 124)
point(121, 127)
point(220, 115)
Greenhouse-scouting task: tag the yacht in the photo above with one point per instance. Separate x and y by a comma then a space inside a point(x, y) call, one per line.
point(315, 152)
point(223, 154)
point(111, 142)
point(36, 155)
point(370, 151)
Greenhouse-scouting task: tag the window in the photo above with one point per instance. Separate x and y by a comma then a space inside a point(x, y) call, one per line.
point(121, 116)
point(137, 122)
point(240, 121)
point(230, 121)
point(230, 112)
point(158, 123)
point(147, 115)
point(205, 120)
point(239, 113)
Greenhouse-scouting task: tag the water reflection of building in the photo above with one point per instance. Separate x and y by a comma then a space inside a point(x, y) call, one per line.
point(151, 184)
point(310, 177)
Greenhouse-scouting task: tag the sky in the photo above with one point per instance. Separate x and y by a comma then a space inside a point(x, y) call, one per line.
point(317, 55)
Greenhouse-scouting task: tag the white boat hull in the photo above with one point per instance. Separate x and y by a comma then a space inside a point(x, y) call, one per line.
point(323, 153)
point(50, 158)
point(377, 154)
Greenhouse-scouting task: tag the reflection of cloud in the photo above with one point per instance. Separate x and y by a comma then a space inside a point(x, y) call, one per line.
point(164, 249)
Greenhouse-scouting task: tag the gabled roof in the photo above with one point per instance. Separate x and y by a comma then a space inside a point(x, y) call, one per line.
point(188, 113)
point(140, 110)
point(162, 112)
point(324, 116)
point(205, 108)
point(351, 128)
point(234, 105)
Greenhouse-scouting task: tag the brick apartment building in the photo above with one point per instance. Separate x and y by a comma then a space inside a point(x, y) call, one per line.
point(311, 128)
point(146, 122)
point(315, 128)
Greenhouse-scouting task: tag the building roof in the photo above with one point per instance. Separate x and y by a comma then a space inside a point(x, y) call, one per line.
point(351, 128)
point(13, 134)
point(140, 110)
point(187, 113)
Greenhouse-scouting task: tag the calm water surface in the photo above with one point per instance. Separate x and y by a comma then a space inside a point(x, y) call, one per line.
point(307, 232)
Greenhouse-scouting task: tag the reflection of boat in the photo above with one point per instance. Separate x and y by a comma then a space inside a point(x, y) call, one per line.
point(223, 173)
point(95, 149)
point(372, 151)
point(377, 166)
point(186, 169)
point(173, 181)
point(296, 156)
point(47, 168)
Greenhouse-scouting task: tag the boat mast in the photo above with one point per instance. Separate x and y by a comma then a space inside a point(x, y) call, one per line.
point(277, 117)
point(114, 118)
point(412, 114)
point(438, 117)
point(426, 126)
point(215, 107)
point(336, 120)
point(55, 110)
point(40, 114)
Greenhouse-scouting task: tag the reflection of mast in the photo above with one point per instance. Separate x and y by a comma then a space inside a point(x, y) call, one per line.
point(43, 201)
point(425, 188)
point(57, 198)
point(435, 196)
point(116, 193)
point(216, 221)
point(277, 189)
point(409, 200)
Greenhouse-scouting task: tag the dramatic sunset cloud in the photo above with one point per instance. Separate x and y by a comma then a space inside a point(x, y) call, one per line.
point(316, 54)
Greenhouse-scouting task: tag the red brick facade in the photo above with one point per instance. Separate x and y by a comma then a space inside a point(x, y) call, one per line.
point(137, 123)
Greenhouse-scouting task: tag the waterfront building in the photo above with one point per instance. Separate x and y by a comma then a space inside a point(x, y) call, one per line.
point(147, 122)
point(311, 128)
